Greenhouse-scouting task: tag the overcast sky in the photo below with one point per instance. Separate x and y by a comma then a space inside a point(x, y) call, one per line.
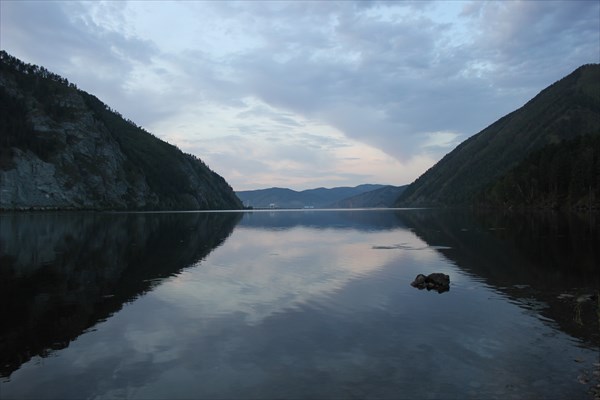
point(308, 94)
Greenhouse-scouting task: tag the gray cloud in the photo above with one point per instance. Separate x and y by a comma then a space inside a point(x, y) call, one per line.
point(388, 74)
point(527, 42)
point(389, 82)
point(261, 111)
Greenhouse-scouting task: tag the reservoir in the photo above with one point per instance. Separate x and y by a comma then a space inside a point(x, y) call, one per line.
point(298, 304)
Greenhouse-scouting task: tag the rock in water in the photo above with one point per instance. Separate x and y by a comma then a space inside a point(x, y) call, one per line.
point(419, 281)
point(435, 281)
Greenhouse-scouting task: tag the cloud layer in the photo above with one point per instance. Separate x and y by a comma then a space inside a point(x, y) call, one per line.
point(305, 94)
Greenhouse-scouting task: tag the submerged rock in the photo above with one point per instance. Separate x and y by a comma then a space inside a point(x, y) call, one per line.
point(436, 281)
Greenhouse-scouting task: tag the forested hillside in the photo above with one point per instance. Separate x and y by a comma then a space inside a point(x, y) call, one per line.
point(62, 148)
point(288, 198)
point(565, 174)
point(564, 111)
point(379, 198)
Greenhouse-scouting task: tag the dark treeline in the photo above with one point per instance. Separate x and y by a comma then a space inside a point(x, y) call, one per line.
point(12, 63)
point(35, 104)
point(563, 175)
point(165, 166)
point(17, 127)
point(46, 87)
point(18, 132)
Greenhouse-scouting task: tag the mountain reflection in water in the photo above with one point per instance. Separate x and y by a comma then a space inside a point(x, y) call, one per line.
point(63, 273)
point(298, 304)
point(544, 261)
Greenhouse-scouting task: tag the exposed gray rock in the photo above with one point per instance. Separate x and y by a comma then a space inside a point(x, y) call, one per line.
point(88, 172)
point(436, 281)
point(75, 153)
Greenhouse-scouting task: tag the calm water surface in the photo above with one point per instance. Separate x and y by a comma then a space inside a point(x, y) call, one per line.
point(304, 304)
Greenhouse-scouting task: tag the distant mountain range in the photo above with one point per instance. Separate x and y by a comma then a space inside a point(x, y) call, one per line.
point(368, 195)
point(62, 148)
point(524, 158)
point(383, 197)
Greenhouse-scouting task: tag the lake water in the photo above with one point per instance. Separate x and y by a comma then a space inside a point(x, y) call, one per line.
point(298, 304)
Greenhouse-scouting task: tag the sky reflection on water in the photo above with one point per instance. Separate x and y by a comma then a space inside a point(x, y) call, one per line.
point(300, 305)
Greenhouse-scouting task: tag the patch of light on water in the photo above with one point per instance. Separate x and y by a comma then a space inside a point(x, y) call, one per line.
point(280, 272)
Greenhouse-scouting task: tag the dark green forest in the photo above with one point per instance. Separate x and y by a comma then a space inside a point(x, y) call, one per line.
point(563, 111)
point(163, 163)
point(180, 180)
point(17, 128)
point(565, 174)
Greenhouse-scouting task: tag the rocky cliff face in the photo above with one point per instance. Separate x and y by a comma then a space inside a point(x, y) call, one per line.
point(64, 149)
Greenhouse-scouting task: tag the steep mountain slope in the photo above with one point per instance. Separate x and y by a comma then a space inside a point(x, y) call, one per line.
point(287, 198)
point(563, 111)
point(382, 197)
point(563, 175)
point(62, 148)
